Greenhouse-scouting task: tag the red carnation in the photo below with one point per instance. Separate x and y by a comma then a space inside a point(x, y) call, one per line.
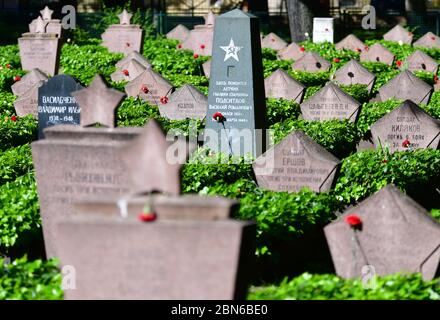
point(399, 63)
point(125, 72)
point(406, 143)
point(8, 66)
point(302, 49)
point(195, 56)
point(218, 117)
point(337, 60)
point(14, 118)
point(179, 46)
point(164, 100)
point(202, 46)
point(353, 221)
point(433, 38)
point(147, 217)
point(17, 78)
point(435, 79)
point(366, 48)
point(385, 161)
point(144, 89)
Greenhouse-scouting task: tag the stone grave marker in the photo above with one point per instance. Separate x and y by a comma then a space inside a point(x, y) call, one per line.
point(397, 34)
point(331, 102)
point(128, 71)
point(406, 127)
point(52, 25)
point(134, 55)
point(40, 49)
point(149, 86)
point(420, 61)
point(200, 40)
point(323, 30)
point(351, 42)
point(281, 85)
point(429, 41)
point(207, 68)
point(355, 73)
point(187, 102)
point(27, 103)
point(295, 163)
point(29, 80)
point(123, 37)
point(406, 86)
point(377, 53)
point(236, 101)
point(273, 41)
point(180, 32)
point(395, 234)
point(56, 105)
point(210, 18)
point(291, 52)
point(194, 250)
point(311, 62)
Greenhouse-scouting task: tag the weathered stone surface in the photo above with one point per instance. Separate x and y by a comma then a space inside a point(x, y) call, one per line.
point(273, 41)
point(295, 163)
point(355, 73)
point(134, 55)
point(377, 53)
point(29, 80)
point(200, 40)
point(407, 122)
point(351, 42)
point(397, 34)
point(406, 86)
point(207, 68)
point(331, 102)
point(27, 103)
point(311, 62)
point(150, 86)
point(128, 71)
point(281, 85)
point(420, 61)
point(180, 32)
point(323, 30)
point(396, 235)
point(187, 102)
point(291, 52)
point(429, 40)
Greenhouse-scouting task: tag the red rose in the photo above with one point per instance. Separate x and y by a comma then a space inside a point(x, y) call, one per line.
point(179, 46)
point(164, 100)
point(14, 118)
point(302, 49)
point(406, 143)
point(125, 72)
point(195, 56)
point(8, 66)
point(218, 117)
point(399, 63)
point(433, 38)
point(17, 78)
point(435, 79)
point(366, 48)
point(144, 89)
point(353, 221)
point(202, 46)
point(337, 60)
point(385, 161)
point(147, 217)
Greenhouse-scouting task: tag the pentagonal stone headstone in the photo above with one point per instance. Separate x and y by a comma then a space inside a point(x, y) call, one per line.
point(331, 102)
point(351, 42)
point(396, 235)
point(27, 103)
point(311, 62)
point(28, 81)
point(377, 53)
point(420, 61)
point(200, 40)
point(429, 41)
point(134, 55)
point(207, 68)
point(295, 163)
point(272, 41)
point(354, 73)
point(150, 86)
point(406, 127)
point(397, 34)
point(180, 32)
point(406, 86)
point(128, 71)
point(281, 85)
point(56, 105)
point(187, 102)
point(291, 52)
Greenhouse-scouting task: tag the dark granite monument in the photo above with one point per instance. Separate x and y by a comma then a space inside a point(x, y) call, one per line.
point(311, 62)
point(354, 73)
point(281, 85)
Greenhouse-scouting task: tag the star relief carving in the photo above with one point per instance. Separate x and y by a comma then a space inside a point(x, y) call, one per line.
point(40, 25)
point(125, 17)
point(46, 13)
point(98, 103)
point(231, 51)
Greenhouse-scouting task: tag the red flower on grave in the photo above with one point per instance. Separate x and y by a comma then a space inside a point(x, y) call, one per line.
point(435, 79)
point(218, 117)
point(366, 48)
point(384, 161)
point(302, 49)
point(179, 46)
point(358, 49)
point(8, 66)
point(406, 143)
point(195, 56)
point(202, 46)
point(17, 78)
point(164, 100)
point(353, 221)
point(125, 72)
point(399, 63)
point(336, 60)
point(144, 89)
point(433, 38)
point(147, 216)
point(13, 118)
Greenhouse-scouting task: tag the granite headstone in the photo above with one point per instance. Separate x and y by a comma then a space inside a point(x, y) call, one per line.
point(27, 103)
point(355, 73)
point(429, 41)
point(399, 34)
point(350, 42)
point(29, 80)
point(207, 68)
point(281, 85)
point(311, 62)
point(134, 55)
point(420, 61)
point(273, 41)
point(377, 53)
point(187, 102)
point(291, 52)
point(128, 71)
point(180, 32)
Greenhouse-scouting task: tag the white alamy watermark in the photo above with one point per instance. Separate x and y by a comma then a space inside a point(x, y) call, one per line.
point(69, 277)
point(69, 20)
point(369, 20)
point(368, 277)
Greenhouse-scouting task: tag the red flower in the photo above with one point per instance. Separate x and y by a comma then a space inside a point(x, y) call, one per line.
point(147, 217)
point(195, 56)
point(433, 38)
point(384, 161)
point(164, 100)
point(399, 63)
point(302, 49)
point(353, 221)
point(406, 143)
point(179, 46)
point(8, 66)
point(358, 49)
point(202, 46)
point(337, 60)
point(17, 78)
point(14, 118)
point(366, 48)
point(144, 89)
point(435, 79)
point(125, 72)
point(218, 117)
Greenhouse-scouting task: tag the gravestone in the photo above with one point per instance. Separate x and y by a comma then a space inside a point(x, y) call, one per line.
point(149, 86)
point(311, 62)
point(194, 250)
point(29, 80)
point(40, 50)
point(180, 32)
point(329, 103)
point(291, 52)
point(281, 85)
point(236, 87)
point(397, 34)
point(420, 61)
point(128, 71)
point(187, 102)
point(406, 86)
point(377, 53)
point(272, 41)
point(200, 40)
point(406, 127)
point(323, 30)
point(351, 42)
point(210, 18)
point(56, 105)
point(207, 68)
point(295, 163)
point(429, 41)
point(123, 37)
point(354, 73)
point(27, 103)
point(52, 25)
point(134, 55)
point(396, 235)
